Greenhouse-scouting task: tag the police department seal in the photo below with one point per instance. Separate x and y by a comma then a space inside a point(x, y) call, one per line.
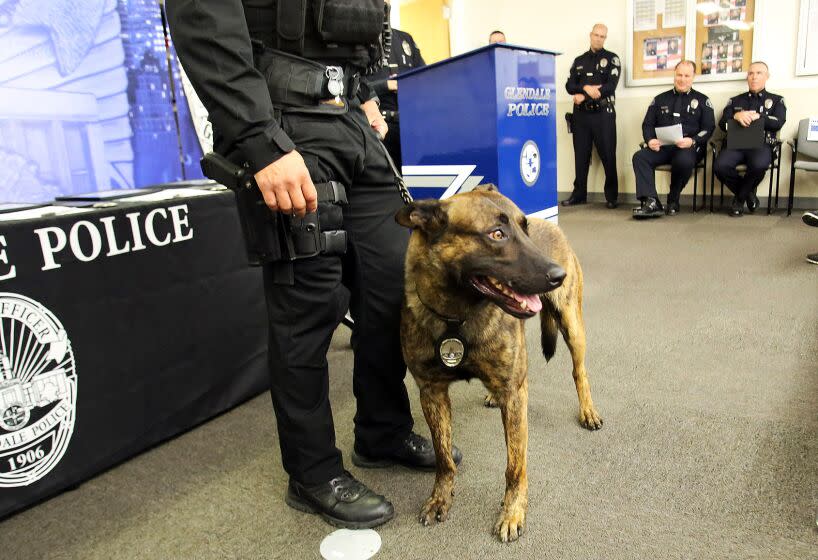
point(530, 163)
point(38, 390)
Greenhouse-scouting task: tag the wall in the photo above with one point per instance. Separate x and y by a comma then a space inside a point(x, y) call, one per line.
point(551, 24)
point(424, 20)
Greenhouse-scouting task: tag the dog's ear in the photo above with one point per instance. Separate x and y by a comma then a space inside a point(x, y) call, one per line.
point(425, 215)
point(487, 187)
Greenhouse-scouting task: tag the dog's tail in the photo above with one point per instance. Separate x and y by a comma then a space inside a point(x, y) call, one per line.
point(548, 329)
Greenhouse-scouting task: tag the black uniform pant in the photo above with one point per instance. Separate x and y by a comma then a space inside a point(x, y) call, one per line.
point(757, 161)
point(368, 279)
point(682, 162)
point(392, 143)
point(595, 128)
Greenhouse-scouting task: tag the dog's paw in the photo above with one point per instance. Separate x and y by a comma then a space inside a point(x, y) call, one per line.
point(435, 509)
point(489, 401)
point(510, 524)
point(590, 419)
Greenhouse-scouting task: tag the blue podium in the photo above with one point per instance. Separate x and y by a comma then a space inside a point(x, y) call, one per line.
point(486, 116)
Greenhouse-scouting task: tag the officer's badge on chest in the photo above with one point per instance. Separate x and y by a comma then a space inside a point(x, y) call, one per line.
point(694, 104)
point(768, 103)
point(407, 48)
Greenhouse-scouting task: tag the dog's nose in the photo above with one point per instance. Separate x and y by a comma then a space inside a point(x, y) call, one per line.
point(555, 277)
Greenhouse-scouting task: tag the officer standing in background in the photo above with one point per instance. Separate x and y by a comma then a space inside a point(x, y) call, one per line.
point(757, 103)
point(592, 81)
point(680, 105)
point(405, 56)
point(291, 105)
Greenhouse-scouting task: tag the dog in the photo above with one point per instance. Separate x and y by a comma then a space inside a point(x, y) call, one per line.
point(476, 268)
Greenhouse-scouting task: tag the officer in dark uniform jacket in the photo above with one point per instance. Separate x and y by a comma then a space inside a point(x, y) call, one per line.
point(680, 105)
point(295, 111)
point(755, 104)
point(592, 81)
point(405, 56)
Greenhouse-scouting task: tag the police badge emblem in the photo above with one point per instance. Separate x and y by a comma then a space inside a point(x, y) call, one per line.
point(407, 48)
point(603, 62)
point(450, 347)
point(768, 103)
point(38, 391)
point(694, 104)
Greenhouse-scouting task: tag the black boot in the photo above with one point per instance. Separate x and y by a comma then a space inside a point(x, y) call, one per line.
point(672, 208)
point(573, 200)
point(343, 501)
point(415, 452)
point(736, 208)
point(650, 208)
point(752, 202)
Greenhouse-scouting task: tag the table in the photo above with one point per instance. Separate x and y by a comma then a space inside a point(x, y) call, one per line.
point(120, 327)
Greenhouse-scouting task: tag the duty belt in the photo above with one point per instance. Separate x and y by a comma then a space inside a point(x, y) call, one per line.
point(298, 82)
point(390, 116)
point(595, 105)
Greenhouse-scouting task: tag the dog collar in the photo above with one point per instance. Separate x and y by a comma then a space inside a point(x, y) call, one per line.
point(450, 348)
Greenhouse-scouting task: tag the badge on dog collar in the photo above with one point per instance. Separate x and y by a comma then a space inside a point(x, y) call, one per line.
point(451, 352)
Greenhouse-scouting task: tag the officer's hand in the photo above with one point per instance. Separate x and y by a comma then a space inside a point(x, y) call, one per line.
point(392, 85)
point(744, 118)
point(654, 144)
point(592, 91)
point(374, 118)
point(578, 98)
point(287, 187)
point(684, 143)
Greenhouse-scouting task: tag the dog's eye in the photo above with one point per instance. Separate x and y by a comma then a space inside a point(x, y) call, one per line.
point(497, 235)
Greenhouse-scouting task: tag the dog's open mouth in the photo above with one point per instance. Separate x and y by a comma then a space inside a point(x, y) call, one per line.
point(513, 303)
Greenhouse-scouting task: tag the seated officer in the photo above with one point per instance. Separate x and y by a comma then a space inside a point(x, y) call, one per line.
point(755, 104)
point(680, 105)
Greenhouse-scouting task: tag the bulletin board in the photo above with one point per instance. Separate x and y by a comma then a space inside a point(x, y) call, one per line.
point(806, 63)
point(724, 39)
point(658, 38)
point(716, 34)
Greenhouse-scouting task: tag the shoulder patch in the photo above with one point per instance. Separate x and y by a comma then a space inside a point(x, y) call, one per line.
point(614, 71)
point(782, 101)
point(707, 102)
point(615, 61)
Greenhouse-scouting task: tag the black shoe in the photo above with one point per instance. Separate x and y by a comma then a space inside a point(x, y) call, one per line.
point(415, 452)
point(810, 218)
point(736, 208)
point(650, 208)
point(344, 502)
point(611, 205)
point(813, 258)
point(573, 201)
point(672, 208)
point(752, 202)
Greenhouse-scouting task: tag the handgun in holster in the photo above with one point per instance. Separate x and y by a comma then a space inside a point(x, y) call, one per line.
point(274, 237)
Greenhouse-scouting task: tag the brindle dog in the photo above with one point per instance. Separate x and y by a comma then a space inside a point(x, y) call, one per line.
point(476, 268)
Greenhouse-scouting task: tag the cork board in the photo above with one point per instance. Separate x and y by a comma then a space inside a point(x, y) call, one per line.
point(724, 39)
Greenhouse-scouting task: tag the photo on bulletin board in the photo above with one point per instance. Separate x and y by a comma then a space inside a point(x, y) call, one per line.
point(724, 39)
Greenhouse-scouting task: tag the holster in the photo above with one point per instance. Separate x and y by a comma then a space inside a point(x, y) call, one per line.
point(274, 237)
point(569, 121)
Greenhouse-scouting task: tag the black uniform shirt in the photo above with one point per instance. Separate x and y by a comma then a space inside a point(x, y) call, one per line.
point(594, 68)
point(213, 43)
point(769, 105)
point(691, 109)
point(405, 56)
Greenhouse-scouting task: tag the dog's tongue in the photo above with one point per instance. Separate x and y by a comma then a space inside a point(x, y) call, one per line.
point(533, 301)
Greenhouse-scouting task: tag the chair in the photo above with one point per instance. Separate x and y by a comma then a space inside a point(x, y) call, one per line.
point(775, 170)
point(700, 164)
point(804, 157)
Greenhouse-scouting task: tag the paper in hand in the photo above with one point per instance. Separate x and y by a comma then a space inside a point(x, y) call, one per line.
point(669, 135)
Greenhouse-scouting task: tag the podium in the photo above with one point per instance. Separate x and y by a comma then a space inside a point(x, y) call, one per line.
point(486, 116)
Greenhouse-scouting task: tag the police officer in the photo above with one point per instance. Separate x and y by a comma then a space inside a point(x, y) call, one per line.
point(680, 105)
point(592, 81)
point(291, 106)
point(497, 36)
point(757, 103)
point(405, 55)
